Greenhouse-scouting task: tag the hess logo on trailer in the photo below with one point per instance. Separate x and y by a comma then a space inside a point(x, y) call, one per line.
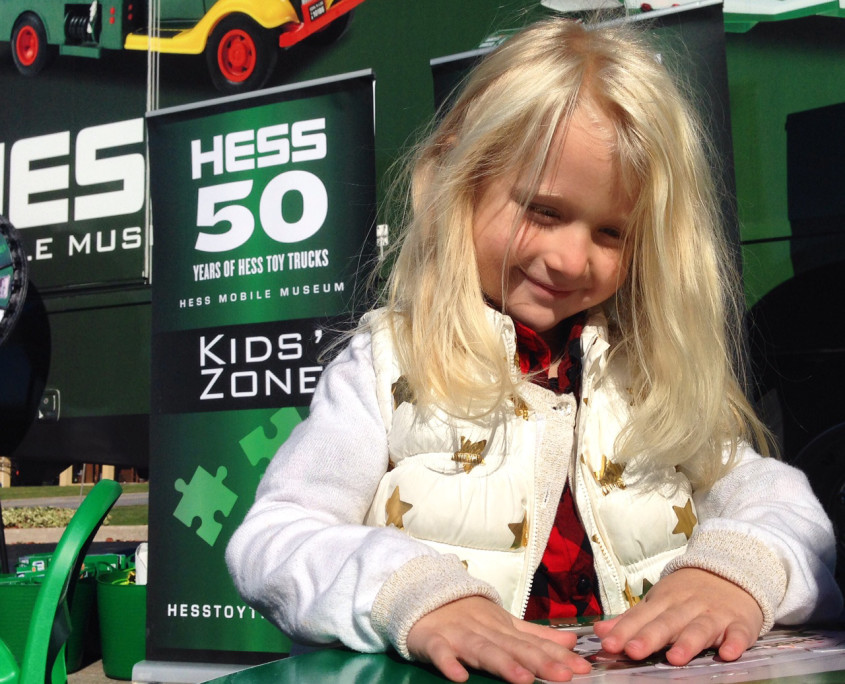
point(220, 205)
point(55, 180)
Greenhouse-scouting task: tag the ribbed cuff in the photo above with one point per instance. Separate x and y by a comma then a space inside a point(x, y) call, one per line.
point(740, 559)
point(418, 587)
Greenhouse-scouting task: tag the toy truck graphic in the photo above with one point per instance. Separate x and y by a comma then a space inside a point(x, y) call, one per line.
point(240, 38)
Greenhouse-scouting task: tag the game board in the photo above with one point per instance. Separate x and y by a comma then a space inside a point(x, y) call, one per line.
point(780, 653)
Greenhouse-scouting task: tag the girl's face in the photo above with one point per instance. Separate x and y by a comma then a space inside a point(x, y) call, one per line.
point(566, 254)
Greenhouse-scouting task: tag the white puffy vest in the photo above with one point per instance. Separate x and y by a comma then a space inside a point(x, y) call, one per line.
point(488, 490)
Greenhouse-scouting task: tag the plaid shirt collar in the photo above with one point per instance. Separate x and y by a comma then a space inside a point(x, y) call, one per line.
point(535, 356)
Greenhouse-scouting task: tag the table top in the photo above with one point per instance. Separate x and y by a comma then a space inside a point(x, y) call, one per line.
point(797, 656)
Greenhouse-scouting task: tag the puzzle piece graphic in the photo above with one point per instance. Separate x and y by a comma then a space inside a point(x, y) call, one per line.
point(264, 441)
point(201, 499)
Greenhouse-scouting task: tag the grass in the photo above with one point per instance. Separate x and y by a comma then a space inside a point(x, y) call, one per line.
point(128, 515)
point(11, 493)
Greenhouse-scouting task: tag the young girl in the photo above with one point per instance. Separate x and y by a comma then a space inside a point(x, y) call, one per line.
point(543, 418)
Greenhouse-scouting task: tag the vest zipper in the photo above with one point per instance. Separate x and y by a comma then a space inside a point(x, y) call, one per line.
point(611, 566)
point(581, 488)
point(532, 543)
point(532, 521)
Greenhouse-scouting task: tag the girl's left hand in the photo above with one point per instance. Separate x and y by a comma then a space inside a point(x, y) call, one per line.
point(691, 610)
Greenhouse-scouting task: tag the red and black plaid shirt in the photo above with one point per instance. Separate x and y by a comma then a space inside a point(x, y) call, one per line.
point(565, 583)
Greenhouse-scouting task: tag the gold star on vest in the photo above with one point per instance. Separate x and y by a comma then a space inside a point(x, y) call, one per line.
point(634, 600)
point(609, 475)
point(395, 509)
point(520, 532)
point(470, 453)
point(629, 596)
point(401, 392)
point(520, 408)
point(686, 519)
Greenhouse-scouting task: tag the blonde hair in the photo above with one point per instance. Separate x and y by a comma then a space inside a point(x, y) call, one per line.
point(679, 310)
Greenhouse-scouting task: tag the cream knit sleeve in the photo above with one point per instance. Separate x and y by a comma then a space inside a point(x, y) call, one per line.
point(762, 528)
point(419, 587)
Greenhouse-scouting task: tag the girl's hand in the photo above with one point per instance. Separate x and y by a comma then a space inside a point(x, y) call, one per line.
point(690, 609)
point(477, 633)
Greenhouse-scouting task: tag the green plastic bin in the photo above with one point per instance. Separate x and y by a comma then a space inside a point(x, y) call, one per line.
point(17, 598)
point(122, 606)
point(98, 564)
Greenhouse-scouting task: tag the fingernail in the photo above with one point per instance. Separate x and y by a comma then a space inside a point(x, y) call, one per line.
point(634, 645)
point(610, 643)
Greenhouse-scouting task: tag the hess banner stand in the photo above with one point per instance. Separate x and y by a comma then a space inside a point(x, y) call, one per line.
point(263, 208)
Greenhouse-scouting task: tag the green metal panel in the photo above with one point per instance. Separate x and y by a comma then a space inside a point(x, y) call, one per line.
point(787, 87)
point(774, 70)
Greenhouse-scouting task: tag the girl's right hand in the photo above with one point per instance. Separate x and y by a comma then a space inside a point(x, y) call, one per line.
point(477, 633)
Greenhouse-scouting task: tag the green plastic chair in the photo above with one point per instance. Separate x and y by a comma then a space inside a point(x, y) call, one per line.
point(49, 628)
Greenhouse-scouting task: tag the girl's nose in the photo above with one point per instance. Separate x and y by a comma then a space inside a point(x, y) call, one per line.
point(567, 251)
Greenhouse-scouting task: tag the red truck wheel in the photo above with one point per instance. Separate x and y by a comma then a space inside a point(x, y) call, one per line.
point(30, 50)
point(240, 55)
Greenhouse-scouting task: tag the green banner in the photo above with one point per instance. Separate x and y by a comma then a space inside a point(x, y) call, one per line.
point(262, 210)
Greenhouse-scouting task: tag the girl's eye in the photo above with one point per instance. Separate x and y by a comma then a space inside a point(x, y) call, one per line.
point(540, 214)
point(611, 232)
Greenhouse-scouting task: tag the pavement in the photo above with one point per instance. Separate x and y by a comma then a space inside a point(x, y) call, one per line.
point(51, 535)
point(109, 539)
point(91, 673)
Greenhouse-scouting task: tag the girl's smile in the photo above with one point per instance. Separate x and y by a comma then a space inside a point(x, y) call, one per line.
point(550, 289)
point(566, 253)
